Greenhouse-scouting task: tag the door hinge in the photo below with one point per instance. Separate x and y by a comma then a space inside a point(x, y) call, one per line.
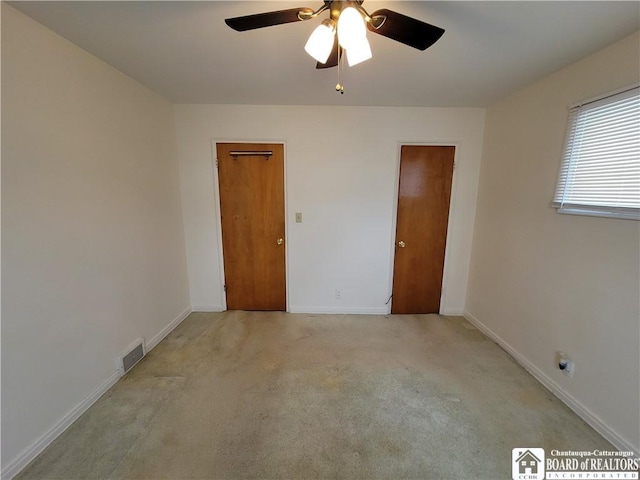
point(454, 166)
point(225, 288)
point(218, 163)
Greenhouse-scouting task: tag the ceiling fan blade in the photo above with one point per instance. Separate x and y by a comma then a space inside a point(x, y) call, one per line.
point(407, 30)
point(332, 61)
point(260, 20)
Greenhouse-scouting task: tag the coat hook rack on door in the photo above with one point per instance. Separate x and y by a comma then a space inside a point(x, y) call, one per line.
point(251, 153)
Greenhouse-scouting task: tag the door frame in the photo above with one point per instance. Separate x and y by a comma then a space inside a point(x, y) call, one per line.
point(218, 220)
point(450, 222)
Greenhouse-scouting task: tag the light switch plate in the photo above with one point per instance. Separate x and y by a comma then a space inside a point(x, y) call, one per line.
point(298, 217)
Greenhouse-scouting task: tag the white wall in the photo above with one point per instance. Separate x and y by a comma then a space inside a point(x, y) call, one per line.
point(542, 282)
point(93, 249)
point(341, 173)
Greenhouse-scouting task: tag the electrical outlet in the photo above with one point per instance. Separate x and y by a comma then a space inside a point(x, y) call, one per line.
point(338, 294)
point(565, 364)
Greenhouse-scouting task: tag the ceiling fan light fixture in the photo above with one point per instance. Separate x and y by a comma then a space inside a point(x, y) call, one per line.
point(345, 32)
point(359, 52)
point(351, 28)
point(320, 42)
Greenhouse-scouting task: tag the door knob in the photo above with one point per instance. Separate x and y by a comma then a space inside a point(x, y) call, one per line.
point(280, 241)
point(401, 244)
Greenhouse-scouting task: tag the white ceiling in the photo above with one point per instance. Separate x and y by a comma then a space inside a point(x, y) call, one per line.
point(184, 51)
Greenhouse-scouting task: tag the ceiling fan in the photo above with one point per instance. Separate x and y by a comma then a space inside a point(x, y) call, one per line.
point(345, 30)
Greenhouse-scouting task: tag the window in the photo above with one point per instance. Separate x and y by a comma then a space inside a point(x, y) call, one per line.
point(600, 170)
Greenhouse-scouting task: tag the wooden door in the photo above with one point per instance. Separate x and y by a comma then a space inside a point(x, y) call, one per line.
point(252, 211)
point(421, 232)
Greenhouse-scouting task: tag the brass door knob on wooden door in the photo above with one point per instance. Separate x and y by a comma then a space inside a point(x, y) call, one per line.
point(280, 241)
point(401, 244)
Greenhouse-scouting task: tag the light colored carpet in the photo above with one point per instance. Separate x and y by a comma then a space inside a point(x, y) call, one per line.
point(239, 395)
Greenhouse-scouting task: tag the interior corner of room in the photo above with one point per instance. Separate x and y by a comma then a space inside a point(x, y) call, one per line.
point(112, 228)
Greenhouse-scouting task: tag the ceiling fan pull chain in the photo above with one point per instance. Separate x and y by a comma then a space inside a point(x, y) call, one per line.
point(339, 85)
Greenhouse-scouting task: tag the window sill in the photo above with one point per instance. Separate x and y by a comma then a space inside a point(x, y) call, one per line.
point(599, 213)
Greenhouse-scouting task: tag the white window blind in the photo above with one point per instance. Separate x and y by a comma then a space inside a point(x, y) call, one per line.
point(600, 170)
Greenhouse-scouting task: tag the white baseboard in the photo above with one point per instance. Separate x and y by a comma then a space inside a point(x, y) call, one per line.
point(573, 403)
point(453, 312)
point(31, 452)
point(167, 330)
point(340, 310)
point(207, 308)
